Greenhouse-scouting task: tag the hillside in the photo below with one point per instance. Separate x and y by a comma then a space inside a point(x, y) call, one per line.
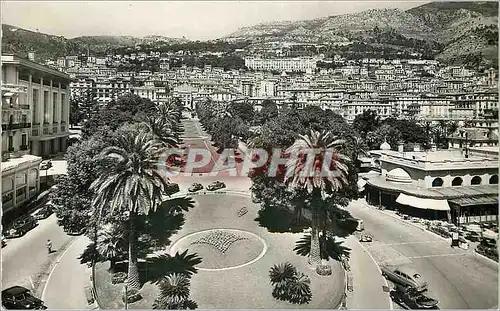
point(22, 41)
point(45, 46)
point(453, 32)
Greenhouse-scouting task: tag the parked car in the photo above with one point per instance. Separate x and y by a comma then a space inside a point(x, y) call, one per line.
point(173, 188)
point(473, 236)
point(20, 227)
point(413, 299)
point(195, 187)
point(366, 238)
point(4, 241)
point(404, 276)
point(18, 297)
point(46, 164)
point(44, 212)
point(216, 185)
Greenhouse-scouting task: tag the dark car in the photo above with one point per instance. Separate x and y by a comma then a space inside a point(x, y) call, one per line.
point(172, 188)
point(410, 298)
point(46, 164)
point(216, 185)
point(44, 212)
point(195, 187)
point(404, 276)
point(20, 227)
point(4, 241)
point(19, 298)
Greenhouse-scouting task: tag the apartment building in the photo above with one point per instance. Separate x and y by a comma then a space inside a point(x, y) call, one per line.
point(35, 118)
point(299, 64)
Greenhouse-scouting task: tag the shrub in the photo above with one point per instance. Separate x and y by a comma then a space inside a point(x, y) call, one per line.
point(300, 290)
point(324, 270)
point(290, 285)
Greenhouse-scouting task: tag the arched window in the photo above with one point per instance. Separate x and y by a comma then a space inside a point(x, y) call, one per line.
point(476, 180)
point(457, 181)
point(437, 182)
point(494, 180)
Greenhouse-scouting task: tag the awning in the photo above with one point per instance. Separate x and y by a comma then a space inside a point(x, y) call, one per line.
point(432, 204)
point(471, 201)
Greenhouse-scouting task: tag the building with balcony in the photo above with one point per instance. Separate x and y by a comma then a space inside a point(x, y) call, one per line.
point(437, 184)
point(35, 118)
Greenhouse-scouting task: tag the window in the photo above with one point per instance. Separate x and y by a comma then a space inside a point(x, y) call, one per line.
point(457, 181)
point(476, 180)
point(437, 182)
point(24, 140)
point(35, 106)
point(7, 197)
point(494, 180)
point(45, 107)
point(21, 191)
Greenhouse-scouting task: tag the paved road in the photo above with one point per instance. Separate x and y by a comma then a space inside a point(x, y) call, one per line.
point(65, 287)
point(457, 278)
point(25, 260)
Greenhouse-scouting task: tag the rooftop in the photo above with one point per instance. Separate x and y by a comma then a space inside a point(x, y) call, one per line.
point(27, 159)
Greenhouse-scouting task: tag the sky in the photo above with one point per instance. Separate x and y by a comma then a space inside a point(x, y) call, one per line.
point(195, 20)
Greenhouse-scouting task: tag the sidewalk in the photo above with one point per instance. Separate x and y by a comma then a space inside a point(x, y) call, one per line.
point(66, 282)
point(367, 281)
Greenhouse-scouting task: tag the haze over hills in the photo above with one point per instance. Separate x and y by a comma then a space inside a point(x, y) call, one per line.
point(462, 30)
point(18, 40)
point(453, 32)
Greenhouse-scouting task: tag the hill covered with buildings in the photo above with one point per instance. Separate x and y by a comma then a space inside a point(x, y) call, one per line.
point(452, 32)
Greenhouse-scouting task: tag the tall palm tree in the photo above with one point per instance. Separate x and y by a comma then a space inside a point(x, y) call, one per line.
point(307, 173)
point(164, 123)
point(130, 187)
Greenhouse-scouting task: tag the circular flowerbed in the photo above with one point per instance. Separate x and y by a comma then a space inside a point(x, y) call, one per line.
point(222, 249)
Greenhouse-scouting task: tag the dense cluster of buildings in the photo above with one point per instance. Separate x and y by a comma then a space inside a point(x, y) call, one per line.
point(417, 88)
point(35, 112)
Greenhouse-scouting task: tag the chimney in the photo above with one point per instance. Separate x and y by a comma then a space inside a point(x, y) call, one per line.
point(401, 147)
point(31, 56)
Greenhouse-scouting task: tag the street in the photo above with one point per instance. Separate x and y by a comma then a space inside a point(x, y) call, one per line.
point(456, 277)
point(25, 260)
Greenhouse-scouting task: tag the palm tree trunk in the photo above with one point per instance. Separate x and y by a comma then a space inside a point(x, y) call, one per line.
point(315, 253)
point(133, 280)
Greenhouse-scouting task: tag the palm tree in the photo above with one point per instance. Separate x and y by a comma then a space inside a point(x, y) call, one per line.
point(174, 293)
point(164, 124)
point(308, 173)
point(110, 242)
point(359, 148)
point(131, 187)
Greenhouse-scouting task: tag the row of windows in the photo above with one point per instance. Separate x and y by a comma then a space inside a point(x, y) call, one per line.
point(458, 181)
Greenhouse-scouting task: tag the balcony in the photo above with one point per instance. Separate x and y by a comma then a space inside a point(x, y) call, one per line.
point(15, 126)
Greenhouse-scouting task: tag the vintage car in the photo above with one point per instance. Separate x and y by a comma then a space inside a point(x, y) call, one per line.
point(19, 298)
point(412, 299)
point(216, 185)
point(43, 212)
point(366, 238)
point(173, 188)
point(46, 164)
point(20, 227)
point(404, 276)
point(195, 187)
